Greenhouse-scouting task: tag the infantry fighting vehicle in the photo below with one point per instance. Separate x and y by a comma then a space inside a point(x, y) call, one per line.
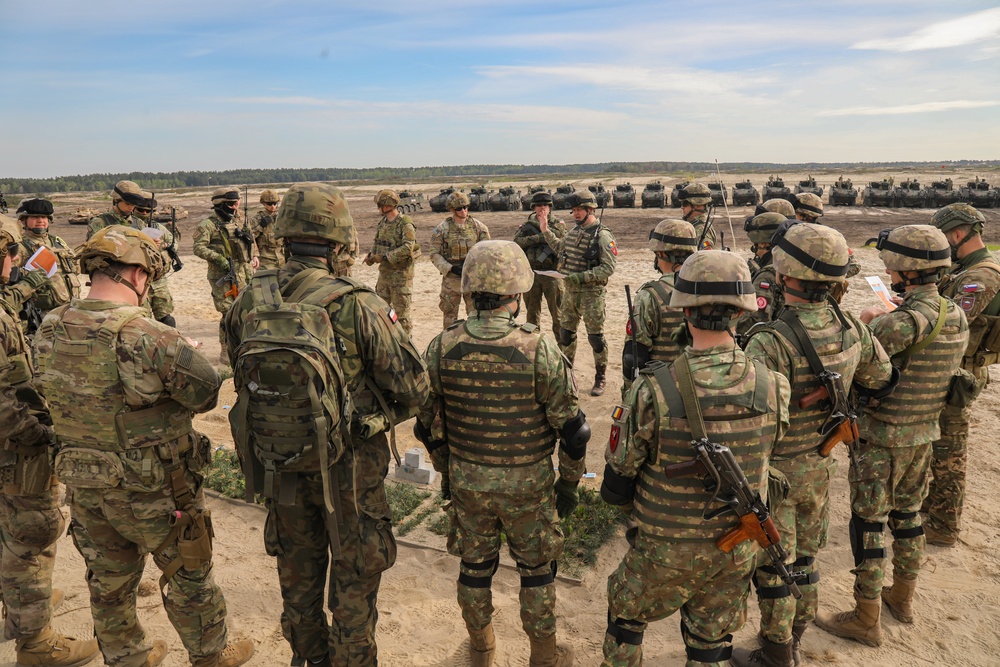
point(624, 196)
point(675, 194)
point(410, 202)
point(561, 198)
point(600, 194)
point(943, 193)
point(909, 194)
point(507, 199)
point(745, 194)
point(776, 189)
point(162, 213)
point(653, 195)
point(83, 216)
point(526, 198)
point(439, 202)
point(880, 193)
point(719, 194)
point(980, 194)
point(479, 198)
point(843, 193)
point(809, 185)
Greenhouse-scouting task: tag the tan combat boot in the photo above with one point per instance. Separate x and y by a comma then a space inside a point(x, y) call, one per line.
point(482, 646)
point(57, 598)
point(599, 381)
point(939, 539)
point(156, 654)
point(860, 624)
point(546, 653)
point(770, 654)
point(50, 649)
point(899, 597)
point(235, 654)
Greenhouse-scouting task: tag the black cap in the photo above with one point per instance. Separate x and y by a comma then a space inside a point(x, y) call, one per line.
point(34, 206)
point(541, 198)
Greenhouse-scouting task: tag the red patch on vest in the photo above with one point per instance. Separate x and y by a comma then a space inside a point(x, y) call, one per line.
point(613, 248)
point(628, 328)
point(765, 285)
point(761, 303)
point(613, 438)
point(392, 315)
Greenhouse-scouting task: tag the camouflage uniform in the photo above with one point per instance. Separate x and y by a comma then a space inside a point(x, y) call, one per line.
point(161, 302)
point(699, 194)
point(272, 250)
point(345, 259)
point(450, 243)
point(542, 250)
point(700, 223)
point(112, 217)
point(395, 249)
point(65, 284)
point(760, 228)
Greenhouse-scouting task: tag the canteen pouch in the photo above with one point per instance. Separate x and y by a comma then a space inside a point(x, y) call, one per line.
point(142, 470)
point(82, 468)
point(33, 475)
point(194, 541)
point(963, 390)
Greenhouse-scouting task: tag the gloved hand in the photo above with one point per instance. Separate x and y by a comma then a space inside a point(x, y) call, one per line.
point(445, 487)
point(567, 497)
point(369, 426)
point(223, 264)
point(34, 279)
point(575, 279)
point(457, 270)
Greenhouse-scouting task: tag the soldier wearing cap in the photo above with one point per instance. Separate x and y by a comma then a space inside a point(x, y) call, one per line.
point(541, 240)
point(810, 336)
point(395, 250)
point(161, 302)
point(495, 456)
point(760, 228)
point(232, 256)
point(35, 215)
point(125, 197)
point(973, 282)
point(588, 259)
point(695, 199)
point(926, 337)
point(673, 562)
point(450, 243)
point(272, 250)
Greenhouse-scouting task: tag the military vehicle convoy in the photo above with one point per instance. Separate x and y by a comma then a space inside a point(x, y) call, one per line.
point(942, 193)
point(410, 202)
point(506, 199)
point(909, 194)
point(675, 194)
point(809, 185)
point(653, 195)
point(980, 194)
point(439, 202)
point(162, 214)
point(526, 197)
point(843, 193)
point(562, 196)
point(600, 194)
point(776, 189)
point(623, 196)
point(880, 193)
point(745, 194)
point(719, 194)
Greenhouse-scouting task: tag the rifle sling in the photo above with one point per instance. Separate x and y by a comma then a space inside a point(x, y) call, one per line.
point(692, 406)
point(916, 348)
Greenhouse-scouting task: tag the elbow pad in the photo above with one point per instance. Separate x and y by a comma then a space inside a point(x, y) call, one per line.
point(617, 490)
point(574, 435)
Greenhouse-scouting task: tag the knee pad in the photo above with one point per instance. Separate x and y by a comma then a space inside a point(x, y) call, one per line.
point(623, 635)
point(717, 654)
point(567, 337)
point(771, 592)
point(858, 527)
point(896, 517)
point(537, 580)
point(481, 579)
point(574, 436)
point(597, 342)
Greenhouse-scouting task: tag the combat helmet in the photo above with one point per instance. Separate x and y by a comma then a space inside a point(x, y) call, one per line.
point(127, 191)
point(314, 211)
point(34, 206)
point(224, 195)
point(760, 228)
point(583, 199)
point(677, 238)
point(809, 205)
point(386, 198)
point(714, 278)
point(124, 245)
point(810, 251)
point(958, 215)
point(269, 196)
point(696, 194)
point(541, 198)
point(914, 248)
point(496, 267)
point(778, 205)
point(10, 232)
point(457, 200)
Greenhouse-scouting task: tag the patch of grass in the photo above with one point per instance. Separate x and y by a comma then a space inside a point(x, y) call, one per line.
point(993, 247)
point(225, 475)
point(592, 524)
point(440, 525)
point(418, 517)
point(404, 499)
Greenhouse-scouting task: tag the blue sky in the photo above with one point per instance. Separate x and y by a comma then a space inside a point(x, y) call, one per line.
point(111, 86)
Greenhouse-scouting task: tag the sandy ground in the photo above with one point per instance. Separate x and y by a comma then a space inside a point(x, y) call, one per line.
point(420, 624)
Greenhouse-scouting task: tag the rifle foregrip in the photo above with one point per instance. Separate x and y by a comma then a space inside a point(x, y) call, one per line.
point(770, 531)
point(692, 468)
point(845, 431)
point(813, 398)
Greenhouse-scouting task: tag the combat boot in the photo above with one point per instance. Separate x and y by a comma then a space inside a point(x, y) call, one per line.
point(860, 624)
point(156, 654)
point(50, 649)
point(770, 654)
point(798, 630)
point(599, 381)
point(939, 539)
point(57, 598)
point(482, 646)
point(546, 653)
point(899, 597)
point(234, 655)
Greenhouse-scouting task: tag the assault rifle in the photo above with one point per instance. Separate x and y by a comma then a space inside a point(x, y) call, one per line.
point(631, 328)
point(32, 316)
point(842, 423)
point(172, 248)
point(230, 279)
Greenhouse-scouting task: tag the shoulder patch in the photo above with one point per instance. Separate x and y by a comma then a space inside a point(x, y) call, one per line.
point(761, 303)
point(968, 302)
point(619, 417)
point(972, 287)
point(613, 247)
point(392, 315)
point(764, 284)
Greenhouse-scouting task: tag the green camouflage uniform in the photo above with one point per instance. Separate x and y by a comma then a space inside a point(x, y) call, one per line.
point(890, 480)
point(450, 243)
point(542, 250)
point(140, 382)
point(973, 282)
point(674, 563)
point(655, 322)
point(375, 352)
point(395, 249)
point(589, 251)
point(497, 435)
point(271, 249)
point(769, 296)
point(65, 284)
point(710, 240)
point(113, 217)
point(803, 519)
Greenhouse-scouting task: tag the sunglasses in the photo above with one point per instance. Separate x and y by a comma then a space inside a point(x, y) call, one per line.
point(143, 210)
point(461, 208)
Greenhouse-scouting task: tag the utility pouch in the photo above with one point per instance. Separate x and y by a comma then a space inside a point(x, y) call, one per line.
point(78, 467)
point(963, 390)
point(194, 541)
point(991, 339)
point(33, 475)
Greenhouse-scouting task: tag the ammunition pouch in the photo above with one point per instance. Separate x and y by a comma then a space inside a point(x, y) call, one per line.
point(963, 390)
point(83, 468)
point(27, 474)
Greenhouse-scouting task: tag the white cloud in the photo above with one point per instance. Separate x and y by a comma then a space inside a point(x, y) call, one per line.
point(960, 31)
point(923, 107)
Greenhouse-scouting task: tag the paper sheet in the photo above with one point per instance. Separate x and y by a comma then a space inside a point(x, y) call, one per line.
point(881, 291)
point(44, 259)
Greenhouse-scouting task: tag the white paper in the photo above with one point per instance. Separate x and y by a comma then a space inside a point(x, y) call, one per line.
point(152, 232)
point(49, 263)
point(551, 274)
point(881, 291)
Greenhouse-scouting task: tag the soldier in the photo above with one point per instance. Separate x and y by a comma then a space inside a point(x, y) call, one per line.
point(30, 518)
point(649, 332)
point(161, 302)
point(808, 207)
point(588, 259)
point(673, 561)
point(782, 206)
point(272, 251)
point(926, 337)
point(760, 228)
point(125, 196)
point(541, 240)
point(973, 282)
point(346, 258)
point(387, 381)
point(122, 389)
point(495, 457)
point(230, 251)
point(810, 336)
point(450, 243)
point(35, 215)
point(694, 200)
point(395, 250)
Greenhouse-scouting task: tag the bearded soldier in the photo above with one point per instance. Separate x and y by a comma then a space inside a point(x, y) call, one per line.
point(36, 216)
point(395, 250)
point(760, 228)
point(125, 196)
point(272, 250)
point(541, 240)
point(926, 337)
point(695, 199)
point(501, 394)
point(450, 243)
point(160, 300)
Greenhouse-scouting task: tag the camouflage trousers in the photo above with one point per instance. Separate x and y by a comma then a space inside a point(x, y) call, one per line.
point(551, 289)
point(657, 578)
point(222, 302)
point(535, 539)
point(803, 521)
point(114, 529)
point(160, 301)
point(452, 297)
point(888, 484)
point(299, 536)
point(587, 305)
point(29, 528)
point(397, 291)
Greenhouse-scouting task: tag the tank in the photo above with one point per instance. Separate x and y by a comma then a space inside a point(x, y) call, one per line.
point(83, 216)
point(843, 193)
point(880, 193)
point(653, 195)
point(439, 202)
point(719, 194)
point(944, 193)
point(745, 194)
point(675, 194)
point(809, 185)
point(776, 189)
point(506, 199)
point(980, 194)
point(623, 196)
point(600, 194)
point(561, 198)
point(909, 194)
point(162, 213)
point(526, 198)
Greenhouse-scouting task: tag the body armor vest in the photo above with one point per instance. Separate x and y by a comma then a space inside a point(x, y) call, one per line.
point(458, 239)
point(984, 329)
point(582, 249)
point(541, 256)
point(664, 348)
point(491, 415)
point(63, 287)
point(389, 236)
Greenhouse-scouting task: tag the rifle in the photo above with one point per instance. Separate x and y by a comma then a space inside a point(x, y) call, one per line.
point(172, 248)
point(841, 425)
point(230, 278)
point(243, 233)
point(32, 316)
point(631, 327)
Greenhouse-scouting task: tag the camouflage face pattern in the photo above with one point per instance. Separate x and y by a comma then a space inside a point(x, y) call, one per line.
point(696, 193)
point(920, 239)
point(496, 267)
point(34, 206)
point(128, 191)
point(809, 205)
point(782, 206)
point(673, 235)
point(820, 243)
point(269, 197)
point(761, 228)
point(957, 215)
point(386, 198)
point(124, 245)
point(583, 199)
point(714, 270)
point(315, 211)
point(10, 232)
point(457, 200)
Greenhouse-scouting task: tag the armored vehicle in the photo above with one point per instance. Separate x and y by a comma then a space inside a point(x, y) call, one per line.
point(776, 189)
point(719, 194)
point(675, 194)
point(980, 194)
point(479, 198)
point(624, 196)
point(439, 202)
point(83, 216)
point(600, 194)
point(410, 202)
point(809, 185)
point(745, 194)
point(880, 193)
point(909, 194)
point(943, 193)
point(843, 193)
point(162, 213)
point(653, 195)
point(560, 200)
point(526, 198)
point(506, 199)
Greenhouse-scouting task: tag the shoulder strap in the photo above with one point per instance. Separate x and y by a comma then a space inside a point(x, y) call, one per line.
point(685, 385)
point(804, 343)
point(916, 348)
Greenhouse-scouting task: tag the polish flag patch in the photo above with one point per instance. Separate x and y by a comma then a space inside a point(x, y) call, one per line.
point(392, 315)
point(765, 285)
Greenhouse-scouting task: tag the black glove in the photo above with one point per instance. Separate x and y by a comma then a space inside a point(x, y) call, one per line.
point(567, 497)
point(457, 270)
point(445, 487)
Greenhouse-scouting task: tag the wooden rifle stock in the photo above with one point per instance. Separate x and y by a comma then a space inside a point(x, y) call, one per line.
point(764, 533)
point(813, 397)
point(846, 432)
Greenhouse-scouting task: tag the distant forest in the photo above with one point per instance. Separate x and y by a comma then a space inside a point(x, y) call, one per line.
point(158, 181)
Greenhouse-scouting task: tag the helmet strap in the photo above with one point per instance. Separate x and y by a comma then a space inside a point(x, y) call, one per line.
point(925, 277)
point(118, 278)
point(812, 295)
point(719, 318)
point(965, 239)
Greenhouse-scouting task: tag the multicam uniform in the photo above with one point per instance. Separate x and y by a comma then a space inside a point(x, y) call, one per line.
point(396, 249)
point(271, 249)
point(345, 259)
point(112, 217)
point(65, 284)
point(450, 243)
point(590, 251)
point(542, 250)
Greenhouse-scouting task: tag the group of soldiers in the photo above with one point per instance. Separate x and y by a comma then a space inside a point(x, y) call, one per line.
point(325, 370)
